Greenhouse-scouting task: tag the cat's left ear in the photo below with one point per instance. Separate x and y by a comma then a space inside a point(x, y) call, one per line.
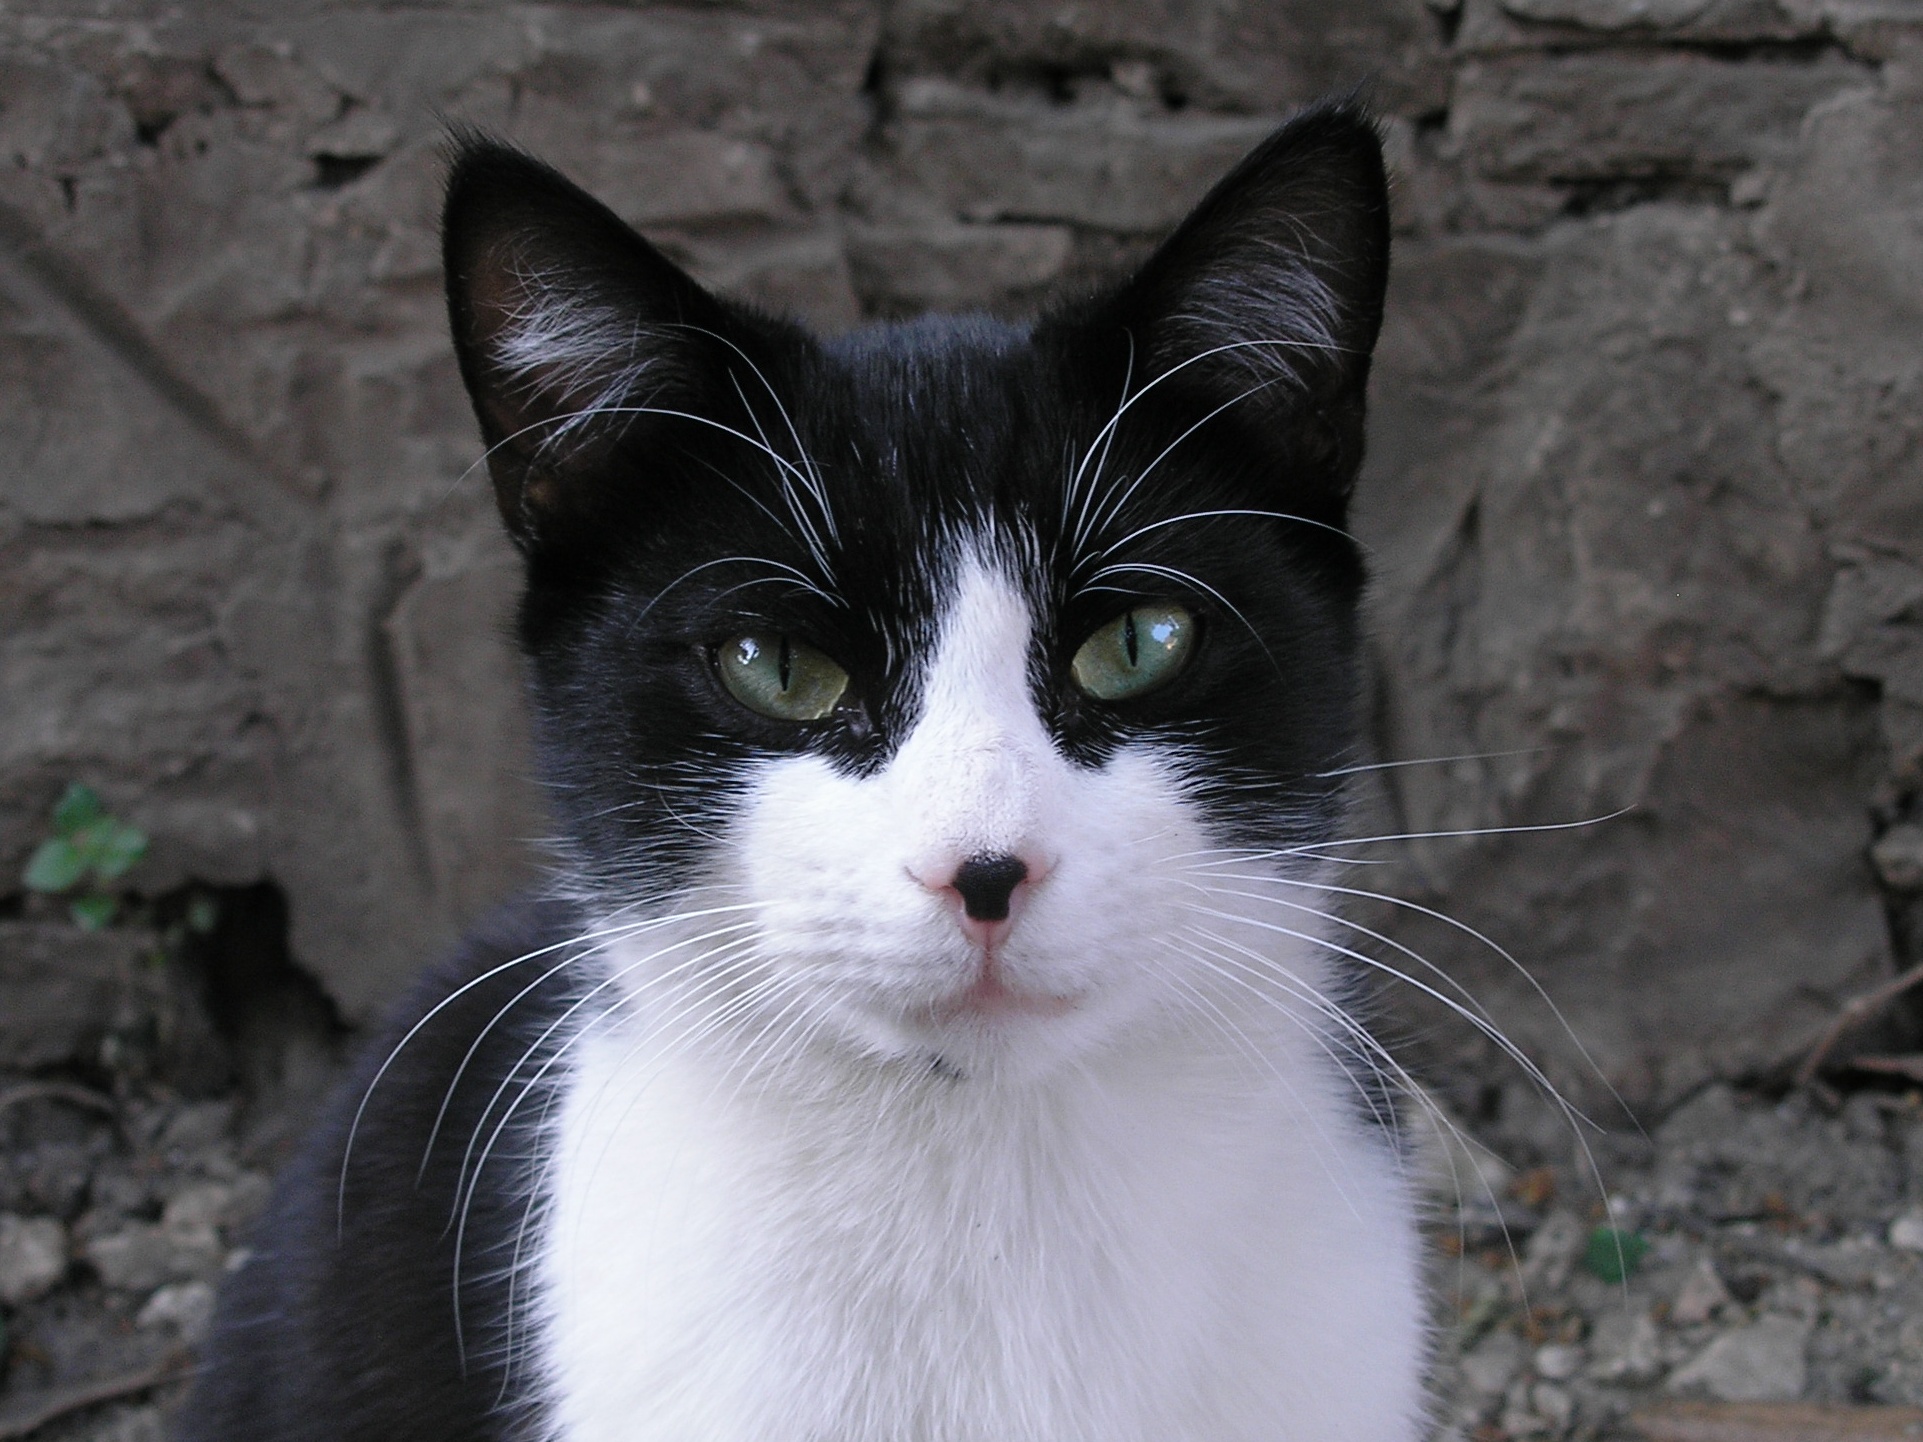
point(1267, 299)
point(577, 339)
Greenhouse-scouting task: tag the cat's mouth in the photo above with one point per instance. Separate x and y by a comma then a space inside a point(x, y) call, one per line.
point(989, 998)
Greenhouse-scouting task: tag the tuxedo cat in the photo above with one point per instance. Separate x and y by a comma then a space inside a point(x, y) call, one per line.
point(939, 1031)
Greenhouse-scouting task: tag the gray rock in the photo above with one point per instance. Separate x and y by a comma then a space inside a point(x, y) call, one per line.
point(33, 1257)
point(144, 1255)
point(1493, 1364)
point(1599, 575)
point(1701, 1295)
point(1506, 25)
point(1763, 1362)
point(1628, 1350)
point(1112, 165)
point(186, 1307)
point(1657, 116)
point(1898, 855)
point(62, 990)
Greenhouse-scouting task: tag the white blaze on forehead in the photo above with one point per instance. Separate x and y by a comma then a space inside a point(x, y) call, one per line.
point(975, 770)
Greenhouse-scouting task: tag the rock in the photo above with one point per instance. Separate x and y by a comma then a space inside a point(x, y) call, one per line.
point(142, 1255)
point(1731, 1160)
point(1557, 1362)
point(1553, 1405)
point(1906, 1231)
point(187, 1307)
point(201, 1207)
point(1701, 1295)
point(61, 990)
point(1553, 1249)
point(989, 157)
point(1898, 855)
point(1493, 1364)
point(33, 1257)
point(1763, 1362)
point(1631, 1355)
point(1656, 116)
point(1711, 585)
point(1508, 25)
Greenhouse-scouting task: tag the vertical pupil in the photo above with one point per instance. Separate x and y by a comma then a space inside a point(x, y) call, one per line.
point(1128, 635)
point(782, 659)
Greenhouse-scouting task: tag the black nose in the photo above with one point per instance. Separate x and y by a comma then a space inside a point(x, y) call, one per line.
point(986, 883)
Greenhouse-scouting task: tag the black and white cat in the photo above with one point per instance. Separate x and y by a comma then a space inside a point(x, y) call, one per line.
point(938, 1035)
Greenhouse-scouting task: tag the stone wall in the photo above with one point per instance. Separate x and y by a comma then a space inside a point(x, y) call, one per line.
point(1646, 493)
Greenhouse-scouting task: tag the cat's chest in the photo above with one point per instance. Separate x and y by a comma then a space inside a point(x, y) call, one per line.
point(908, 1265)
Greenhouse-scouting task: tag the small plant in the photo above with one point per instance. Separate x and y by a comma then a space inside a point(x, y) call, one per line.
point(1613, 1253)
point(89, 850)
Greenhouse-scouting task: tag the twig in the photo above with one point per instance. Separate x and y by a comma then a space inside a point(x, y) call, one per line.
point(1855, 1010)
point(1910, 1067)
point(92, 1394)
point(62, 1092)
point(1775, 1422)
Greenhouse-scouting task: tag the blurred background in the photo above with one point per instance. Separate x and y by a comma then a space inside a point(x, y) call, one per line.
point(1645, 489)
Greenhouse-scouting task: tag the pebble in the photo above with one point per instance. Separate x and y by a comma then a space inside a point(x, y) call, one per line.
point(1763, 1362)
point(1636, 1358)
point(1557, 1362)
point(1898, 856)
point(1907, 1230)
point(187, 1307)
point(144, 1255)
point(1701, 1296)
point(1493, 1363)
point(33, 1257)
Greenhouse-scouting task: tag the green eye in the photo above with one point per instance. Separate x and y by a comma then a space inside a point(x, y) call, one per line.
point(780, 677)
point(1141, 649)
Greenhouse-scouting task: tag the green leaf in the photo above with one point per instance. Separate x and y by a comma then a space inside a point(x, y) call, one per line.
point(117, 848)
point(77, 806)
point(57, 865)
point(1613, 1254)
point(93, 913)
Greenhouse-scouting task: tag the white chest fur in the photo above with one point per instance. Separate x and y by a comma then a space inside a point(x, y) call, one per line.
point(1146, 1248)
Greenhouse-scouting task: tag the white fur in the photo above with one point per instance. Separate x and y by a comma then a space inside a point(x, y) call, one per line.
point(1156, 1217)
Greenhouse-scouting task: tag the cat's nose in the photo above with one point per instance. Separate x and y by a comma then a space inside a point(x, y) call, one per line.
point(986, 883)
point(989, 886)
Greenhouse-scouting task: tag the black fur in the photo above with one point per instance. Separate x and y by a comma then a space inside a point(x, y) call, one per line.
point(341, 1325)
point(657, 471)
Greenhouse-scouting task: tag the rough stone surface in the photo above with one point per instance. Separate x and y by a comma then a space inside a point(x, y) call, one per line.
point(61, 990)
point(33, 1257)
point(1763, 1362)
point(1645, 495)
point(1799, 1296)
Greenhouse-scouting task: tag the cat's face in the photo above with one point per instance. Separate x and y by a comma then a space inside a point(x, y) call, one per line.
point(934, 671)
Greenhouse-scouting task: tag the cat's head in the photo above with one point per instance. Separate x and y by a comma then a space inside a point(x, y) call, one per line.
point(936, 670)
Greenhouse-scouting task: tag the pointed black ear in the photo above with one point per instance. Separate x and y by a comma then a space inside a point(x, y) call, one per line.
point(1267, 299)
point(571, 330)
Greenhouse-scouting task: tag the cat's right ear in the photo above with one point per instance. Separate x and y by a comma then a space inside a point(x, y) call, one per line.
point(572, 331)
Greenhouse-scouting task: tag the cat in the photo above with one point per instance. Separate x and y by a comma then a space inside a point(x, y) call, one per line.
point(935, 1033)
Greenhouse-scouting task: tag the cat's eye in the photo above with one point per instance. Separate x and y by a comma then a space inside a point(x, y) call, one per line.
point(1143, 648)
point(780, 677)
